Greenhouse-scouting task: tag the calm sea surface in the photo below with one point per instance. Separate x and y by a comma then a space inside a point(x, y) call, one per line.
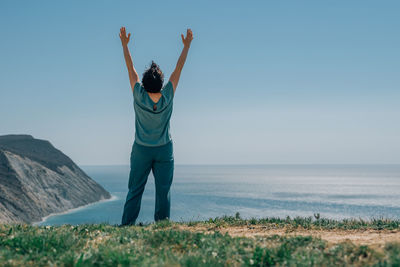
point(200, 192)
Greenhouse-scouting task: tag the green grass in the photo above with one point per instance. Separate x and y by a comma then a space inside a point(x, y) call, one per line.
point(305, 222)
point(163, 244)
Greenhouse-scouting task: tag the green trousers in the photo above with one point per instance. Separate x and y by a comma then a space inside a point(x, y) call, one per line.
point(160, 160)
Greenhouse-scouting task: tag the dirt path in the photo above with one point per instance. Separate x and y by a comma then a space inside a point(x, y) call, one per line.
point(358, 237)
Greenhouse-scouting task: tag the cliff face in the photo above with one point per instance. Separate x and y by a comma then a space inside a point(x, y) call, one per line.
point(36, 179)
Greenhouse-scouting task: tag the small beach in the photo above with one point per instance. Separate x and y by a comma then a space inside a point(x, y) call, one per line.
point(78, 209)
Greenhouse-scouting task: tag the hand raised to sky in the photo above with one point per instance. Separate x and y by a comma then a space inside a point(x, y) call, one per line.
point(124, 38)
point(189, 37)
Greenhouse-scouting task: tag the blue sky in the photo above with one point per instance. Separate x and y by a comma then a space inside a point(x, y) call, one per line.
point(264, 82)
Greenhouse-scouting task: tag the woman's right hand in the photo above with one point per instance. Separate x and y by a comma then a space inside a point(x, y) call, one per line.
point(189, 37)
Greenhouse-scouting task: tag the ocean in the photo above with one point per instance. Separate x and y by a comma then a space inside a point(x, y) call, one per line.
point(200, 192)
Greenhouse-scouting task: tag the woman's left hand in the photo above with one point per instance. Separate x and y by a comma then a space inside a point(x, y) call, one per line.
point(124, 38)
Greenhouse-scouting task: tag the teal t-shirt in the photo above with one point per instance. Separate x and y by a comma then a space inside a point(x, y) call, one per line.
point(152, 119)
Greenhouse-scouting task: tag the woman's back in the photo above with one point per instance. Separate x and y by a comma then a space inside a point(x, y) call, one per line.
point(152, 119)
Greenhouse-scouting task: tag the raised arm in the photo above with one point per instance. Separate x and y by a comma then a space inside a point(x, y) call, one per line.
point(181, 61)
point(133, 76)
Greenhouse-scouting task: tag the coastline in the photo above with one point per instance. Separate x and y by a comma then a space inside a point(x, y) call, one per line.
point(113, 198)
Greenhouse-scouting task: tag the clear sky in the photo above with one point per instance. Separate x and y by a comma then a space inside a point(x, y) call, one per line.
point(264, 82)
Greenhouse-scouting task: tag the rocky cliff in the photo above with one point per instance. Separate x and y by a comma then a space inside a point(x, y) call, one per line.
point(36, 179)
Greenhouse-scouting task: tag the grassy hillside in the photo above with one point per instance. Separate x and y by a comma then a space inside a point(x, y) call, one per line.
point(196, 244)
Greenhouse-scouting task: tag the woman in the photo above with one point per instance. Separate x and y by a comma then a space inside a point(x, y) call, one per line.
point(152, 148)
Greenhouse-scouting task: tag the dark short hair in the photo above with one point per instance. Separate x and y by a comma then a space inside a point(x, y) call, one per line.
point(153, 78)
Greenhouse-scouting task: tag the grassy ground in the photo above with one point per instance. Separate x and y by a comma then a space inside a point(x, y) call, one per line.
point(182, 244)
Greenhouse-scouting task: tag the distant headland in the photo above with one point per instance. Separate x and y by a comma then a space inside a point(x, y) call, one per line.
point(37, 179)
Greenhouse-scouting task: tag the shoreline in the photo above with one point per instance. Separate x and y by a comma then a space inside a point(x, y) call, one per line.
point(44, 219)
